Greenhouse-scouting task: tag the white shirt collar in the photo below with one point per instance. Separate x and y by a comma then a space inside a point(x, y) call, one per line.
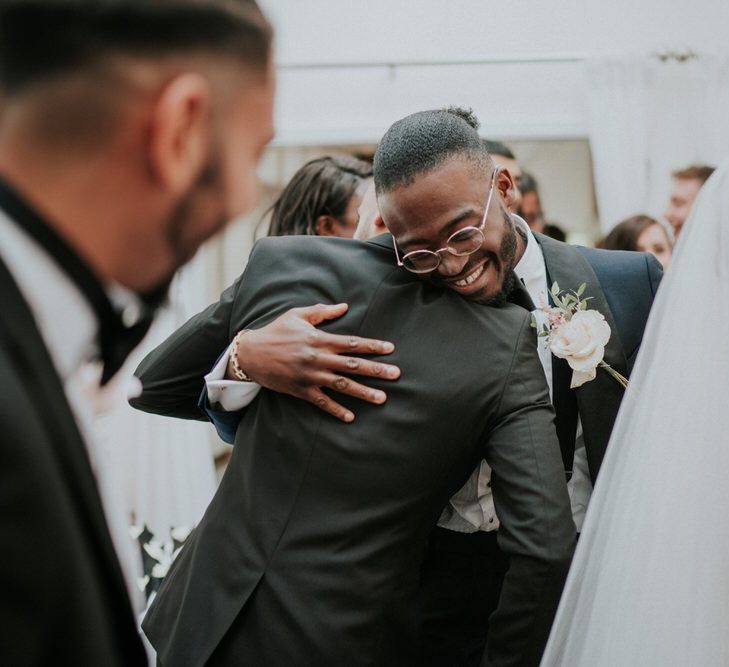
point(531, 265)
point(65, 319)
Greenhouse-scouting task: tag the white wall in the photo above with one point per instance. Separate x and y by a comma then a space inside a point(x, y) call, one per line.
point(545, 99)
point(538, 106)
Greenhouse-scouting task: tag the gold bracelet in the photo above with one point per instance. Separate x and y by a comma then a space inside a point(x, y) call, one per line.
point(239, 373)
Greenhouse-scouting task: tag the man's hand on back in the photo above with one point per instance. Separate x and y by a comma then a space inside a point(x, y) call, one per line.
point(291, 356)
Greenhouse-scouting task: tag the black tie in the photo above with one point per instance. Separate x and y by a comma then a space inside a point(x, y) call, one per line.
point(116, 340)
point(520, 296)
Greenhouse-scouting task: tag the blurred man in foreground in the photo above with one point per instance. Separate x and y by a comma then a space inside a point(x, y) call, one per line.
point(129, 134)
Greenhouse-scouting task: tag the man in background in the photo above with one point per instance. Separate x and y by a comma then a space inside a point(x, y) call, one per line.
point(531, 204)
point(129, 134)
point(531, 209)
point(686, 185)
point(526, 201)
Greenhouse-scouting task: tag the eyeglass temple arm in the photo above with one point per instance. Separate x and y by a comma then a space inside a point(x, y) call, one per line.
point(397, 254)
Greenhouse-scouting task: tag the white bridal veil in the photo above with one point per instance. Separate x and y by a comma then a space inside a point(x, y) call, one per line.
point(649, 584)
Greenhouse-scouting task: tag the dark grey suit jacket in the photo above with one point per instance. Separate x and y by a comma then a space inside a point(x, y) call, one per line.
point(63, 600)
point(309, 553)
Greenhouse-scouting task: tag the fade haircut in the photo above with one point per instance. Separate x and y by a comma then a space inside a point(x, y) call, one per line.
point(423, 141)
point(41, 40)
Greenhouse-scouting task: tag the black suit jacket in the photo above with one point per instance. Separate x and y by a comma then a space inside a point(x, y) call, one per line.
point(63, 600)
point(622, 286)
point(309, 552)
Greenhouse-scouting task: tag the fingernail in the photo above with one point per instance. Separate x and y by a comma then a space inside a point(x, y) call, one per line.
point(348, 417)
point(379, 396)
point(388, 347)
point(393, 372)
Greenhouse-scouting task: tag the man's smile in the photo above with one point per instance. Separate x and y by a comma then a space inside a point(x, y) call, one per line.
point(471, 277)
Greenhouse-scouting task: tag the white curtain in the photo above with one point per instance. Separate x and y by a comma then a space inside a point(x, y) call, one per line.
point(647, 118)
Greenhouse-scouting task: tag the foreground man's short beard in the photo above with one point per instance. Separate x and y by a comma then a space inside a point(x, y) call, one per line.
point(179, 240)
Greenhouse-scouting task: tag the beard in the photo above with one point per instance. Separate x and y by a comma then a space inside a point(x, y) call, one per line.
point(507, 260)
point(185, 234)
point(183, 231)
point(502, 296)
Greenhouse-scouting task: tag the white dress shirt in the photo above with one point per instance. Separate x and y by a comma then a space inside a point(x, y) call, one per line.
point(68, 326)
point(472, 508)
point(230, 395)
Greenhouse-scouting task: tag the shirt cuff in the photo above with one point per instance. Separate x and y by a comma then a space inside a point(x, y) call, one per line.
point(230, 395)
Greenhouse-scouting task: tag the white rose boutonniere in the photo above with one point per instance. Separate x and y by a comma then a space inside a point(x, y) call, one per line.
point(577, 334)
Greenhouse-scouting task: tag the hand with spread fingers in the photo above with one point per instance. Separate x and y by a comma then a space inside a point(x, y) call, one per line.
point(290, 355)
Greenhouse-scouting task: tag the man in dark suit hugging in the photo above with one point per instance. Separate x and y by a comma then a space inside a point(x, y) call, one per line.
point(309, 553)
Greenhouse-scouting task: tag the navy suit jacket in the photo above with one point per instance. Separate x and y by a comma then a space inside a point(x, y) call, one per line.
point(622, 286)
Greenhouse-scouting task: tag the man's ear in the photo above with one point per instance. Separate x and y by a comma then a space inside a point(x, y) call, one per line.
point(506, 187)
point(326, 225)
point(179, 132)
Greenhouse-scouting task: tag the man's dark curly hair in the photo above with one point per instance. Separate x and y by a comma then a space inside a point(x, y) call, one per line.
point(419, 143)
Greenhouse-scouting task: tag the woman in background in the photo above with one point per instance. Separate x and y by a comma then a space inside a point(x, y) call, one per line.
point(641, 233)
point(322, 198)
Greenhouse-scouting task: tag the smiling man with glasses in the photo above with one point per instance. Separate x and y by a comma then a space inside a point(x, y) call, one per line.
point(432, 202)
point(476, 260)
point(446, 228)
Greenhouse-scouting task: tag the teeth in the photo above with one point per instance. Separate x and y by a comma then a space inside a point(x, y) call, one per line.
point(470, 278)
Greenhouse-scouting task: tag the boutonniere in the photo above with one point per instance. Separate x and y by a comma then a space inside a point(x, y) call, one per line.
point(577, 334)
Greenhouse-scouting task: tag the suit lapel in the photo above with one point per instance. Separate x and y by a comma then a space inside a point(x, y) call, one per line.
point(598, 401)
point(20, 334)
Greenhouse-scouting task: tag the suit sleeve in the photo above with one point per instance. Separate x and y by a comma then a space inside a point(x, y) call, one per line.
point(531, 500)
point(173, 374)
